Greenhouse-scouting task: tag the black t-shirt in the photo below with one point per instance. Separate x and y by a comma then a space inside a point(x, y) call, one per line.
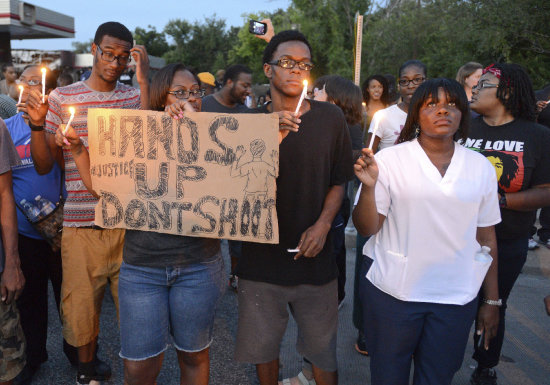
point(544, 115)
point(519, 150)
point(312, 160)
point(147, 248)
point(210, 104)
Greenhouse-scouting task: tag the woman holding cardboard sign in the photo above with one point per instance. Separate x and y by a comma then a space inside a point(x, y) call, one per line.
point(169, 285)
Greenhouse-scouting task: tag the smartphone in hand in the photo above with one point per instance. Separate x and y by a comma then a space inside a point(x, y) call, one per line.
point(257, 27)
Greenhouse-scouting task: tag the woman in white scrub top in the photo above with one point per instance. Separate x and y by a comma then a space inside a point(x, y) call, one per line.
point(430, 205)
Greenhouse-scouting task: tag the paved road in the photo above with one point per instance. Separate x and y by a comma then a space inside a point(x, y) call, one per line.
point(526, 351)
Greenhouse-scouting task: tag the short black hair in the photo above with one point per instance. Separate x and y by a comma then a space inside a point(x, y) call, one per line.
point(429, 90)
point(114, 29)
point(283, 37)
point(413, 63)
point(515, 91)
point(234, 71)
point(6, 66)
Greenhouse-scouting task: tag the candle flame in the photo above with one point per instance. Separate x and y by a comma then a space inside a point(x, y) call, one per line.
point(305, 83)
point(43, 70)
point(21, 88)
point(364, 104)
point(71, 110)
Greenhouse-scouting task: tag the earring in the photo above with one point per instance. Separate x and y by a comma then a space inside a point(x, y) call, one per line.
point(416, 130)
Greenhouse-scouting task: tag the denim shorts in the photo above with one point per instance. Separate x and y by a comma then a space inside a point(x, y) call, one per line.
point(171, 305)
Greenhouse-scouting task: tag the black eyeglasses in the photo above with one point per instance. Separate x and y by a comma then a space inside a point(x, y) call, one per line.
point(290, 63)
point(482, 85)
point(185, 94)
point(415, 81)
point(109, 57)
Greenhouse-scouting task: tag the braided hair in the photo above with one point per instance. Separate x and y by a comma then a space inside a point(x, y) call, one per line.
point(515, 91)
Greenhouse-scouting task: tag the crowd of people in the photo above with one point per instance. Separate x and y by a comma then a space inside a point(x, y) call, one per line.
point(460, 163)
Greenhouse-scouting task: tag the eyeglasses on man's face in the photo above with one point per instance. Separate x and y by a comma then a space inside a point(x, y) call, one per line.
point(415, 81)
point(185, 94)
point(110, 57)
point(290, 63)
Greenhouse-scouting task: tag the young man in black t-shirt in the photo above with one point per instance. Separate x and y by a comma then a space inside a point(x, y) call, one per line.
point(315, 162)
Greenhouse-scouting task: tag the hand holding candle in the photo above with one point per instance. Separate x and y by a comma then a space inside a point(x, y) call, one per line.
point(302, 97)
point(43, 69)
point(21, 89)
point(72, 111)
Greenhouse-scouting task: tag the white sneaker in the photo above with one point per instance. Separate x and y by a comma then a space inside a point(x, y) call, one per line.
point(533, 244)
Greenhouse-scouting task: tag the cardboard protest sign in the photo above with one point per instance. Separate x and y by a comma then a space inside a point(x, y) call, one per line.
point(205, 175)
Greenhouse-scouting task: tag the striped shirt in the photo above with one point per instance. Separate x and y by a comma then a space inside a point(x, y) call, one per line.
point(79, 208)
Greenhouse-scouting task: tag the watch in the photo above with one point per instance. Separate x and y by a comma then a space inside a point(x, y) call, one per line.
point(502, 201)
point(493, 302)
point(36, 128)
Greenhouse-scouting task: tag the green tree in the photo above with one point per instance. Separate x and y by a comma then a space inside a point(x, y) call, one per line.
point(82, 46)
point(154, 42)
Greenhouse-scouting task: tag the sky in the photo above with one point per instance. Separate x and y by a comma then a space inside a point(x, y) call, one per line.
point(89, 15)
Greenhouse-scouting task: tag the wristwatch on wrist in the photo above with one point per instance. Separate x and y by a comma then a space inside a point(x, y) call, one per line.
point(502, 201)
point(36, 128)
point(493, 302)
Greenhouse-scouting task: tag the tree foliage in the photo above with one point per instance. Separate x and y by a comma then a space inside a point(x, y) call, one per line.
point(443, 33)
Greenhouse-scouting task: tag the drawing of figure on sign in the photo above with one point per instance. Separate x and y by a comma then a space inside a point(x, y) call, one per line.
point(257, 171)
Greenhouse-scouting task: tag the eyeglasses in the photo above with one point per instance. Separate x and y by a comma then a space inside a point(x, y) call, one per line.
point(482, 85)
point(30, 82)
point(109, 57)
point(290, 63)
point(185, 94)
point(415, 81)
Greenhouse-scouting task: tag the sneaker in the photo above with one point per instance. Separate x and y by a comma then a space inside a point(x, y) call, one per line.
point(533, 244)
point(484, 376)
point(233, 282)
point(546, 243)
point(102, 373)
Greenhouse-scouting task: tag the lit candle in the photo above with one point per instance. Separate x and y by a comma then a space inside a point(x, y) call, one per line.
point(302, 97)
point(21, 89)
point(373, 135)
point(43, 83)
point(71, 110)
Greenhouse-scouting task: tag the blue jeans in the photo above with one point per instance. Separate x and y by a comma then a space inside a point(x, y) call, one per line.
point(160, 306)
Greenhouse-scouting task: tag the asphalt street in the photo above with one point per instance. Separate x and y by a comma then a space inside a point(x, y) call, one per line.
point(525, 360)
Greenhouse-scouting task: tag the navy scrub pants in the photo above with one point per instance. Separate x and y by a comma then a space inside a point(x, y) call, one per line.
point(432, 335)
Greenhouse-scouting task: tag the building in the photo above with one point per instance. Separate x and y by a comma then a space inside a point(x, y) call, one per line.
point(22, 20)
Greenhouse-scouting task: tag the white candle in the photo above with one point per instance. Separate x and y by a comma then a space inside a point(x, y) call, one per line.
point(373, 135)
point(71, 110)
point(302, 97)
point(43, 83)
point(21, 89)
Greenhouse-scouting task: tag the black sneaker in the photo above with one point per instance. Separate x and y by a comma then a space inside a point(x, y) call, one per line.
point(484, 376)
point(102, 373)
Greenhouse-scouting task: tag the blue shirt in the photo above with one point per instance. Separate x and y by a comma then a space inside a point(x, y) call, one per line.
point(27, 184)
